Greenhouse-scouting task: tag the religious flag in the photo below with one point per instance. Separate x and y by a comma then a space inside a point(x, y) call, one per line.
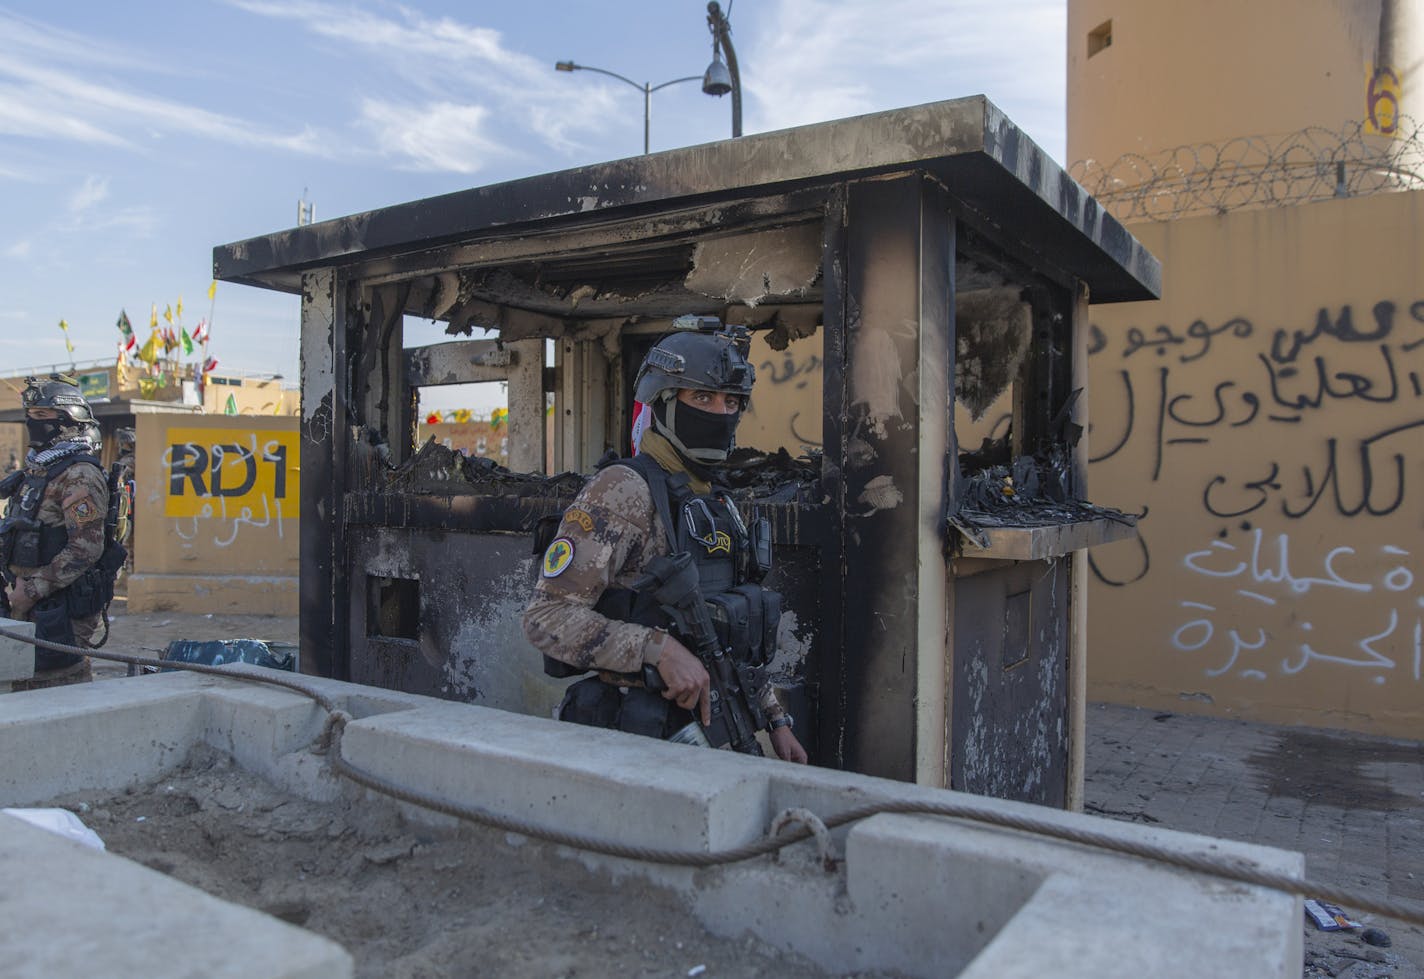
point(210, 365)
point(153, 316)
point(168, 314)
point(179, 311)
point(462, 415)
point(213, 290)
point(187, 343)
point(433, 418)
point(231, 407)
point(200, 332)
point(169, 340)
point(498, 417)
point(149, 352)
point(65, 327)
point(125, 327)
point(130, 344)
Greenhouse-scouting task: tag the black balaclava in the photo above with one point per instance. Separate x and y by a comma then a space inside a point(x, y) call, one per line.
point(700, 436)
point(44, 432)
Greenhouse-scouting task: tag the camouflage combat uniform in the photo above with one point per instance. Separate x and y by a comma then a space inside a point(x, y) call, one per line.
point(78, 500)
point(614, 531)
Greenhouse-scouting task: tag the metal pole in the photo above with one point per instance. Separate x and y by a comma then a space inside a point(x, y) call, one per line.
point(646, 88)
point(722, 31)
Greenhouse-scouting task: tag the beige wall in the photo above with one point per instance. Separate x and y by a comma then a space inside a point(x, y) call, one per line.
point(251, 397)
point(786, 401)
point(1181, 73)
point(1269, 415)
point(216, 531)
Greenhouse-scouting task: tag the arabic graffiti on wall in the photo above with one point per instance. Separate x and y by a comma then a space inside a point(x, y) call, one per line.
point(1264, 575)
point(220, 481)
point(1285, 447)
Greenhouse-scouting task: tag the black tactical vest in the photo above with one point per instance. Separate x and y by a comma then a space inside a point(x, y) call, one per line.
point(731, 562)
point(24, 543)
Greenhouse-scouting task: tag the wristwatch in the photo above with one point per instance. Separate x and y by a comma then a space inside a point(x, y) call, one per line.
point(785, 720)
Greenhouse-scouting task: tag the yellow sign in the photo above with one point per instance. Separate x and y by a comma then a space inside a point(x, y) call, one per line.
point(216, 472)
point(1382, 91)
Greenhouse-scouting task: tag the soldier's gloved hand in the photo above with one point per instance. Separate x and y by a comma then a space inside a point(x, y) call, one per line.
point(686, 679)
point(20, 601)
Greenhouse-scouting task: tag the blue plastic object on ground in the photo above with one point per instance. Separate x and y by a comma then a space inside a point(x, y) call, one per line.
point(215, 652)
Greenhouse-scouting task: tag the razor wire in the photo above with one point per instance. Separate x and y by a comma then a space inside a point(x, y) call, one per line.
point(1312, 164)
point(788, 827)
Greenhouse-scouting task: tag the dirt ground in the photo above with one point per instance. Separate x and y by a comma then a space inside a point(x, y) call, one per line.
point(407, 902)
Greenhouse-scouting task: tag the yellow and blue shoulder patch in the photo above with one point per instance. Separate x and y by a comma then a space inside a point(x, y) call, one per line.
point(558, 557)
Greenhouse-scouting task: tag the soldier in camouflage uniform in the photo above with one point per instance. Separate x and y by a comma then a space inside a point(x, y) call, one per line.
point(128, 443)
point(697, 386)
point(53, 531)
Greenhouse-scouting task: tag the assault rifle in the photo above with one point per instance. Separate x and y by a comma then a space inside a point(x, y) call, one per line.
point(736, 714)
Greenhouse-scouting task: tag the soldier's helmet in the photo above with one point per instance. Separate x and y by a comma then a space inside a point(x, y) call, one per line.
point(713, 358)
point(127, 440)
point(60, 393)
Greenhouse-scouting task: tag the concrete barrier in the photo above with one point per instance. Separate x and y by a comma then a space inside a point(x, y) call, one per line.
point(17, 659)
point(132, 921)
point(923, 895)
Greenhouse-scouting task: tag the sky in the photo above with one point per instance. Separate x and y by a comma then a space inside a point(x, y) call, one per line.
point(135, 137)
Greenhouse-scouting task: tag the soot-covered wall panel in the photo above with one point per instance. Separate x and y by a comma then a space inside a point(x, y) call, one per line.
point(1010, 732)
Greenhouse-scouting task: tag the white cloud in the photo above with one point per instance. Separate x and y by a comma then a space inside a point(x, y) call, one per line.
point(817, 60)
point(441, 136)
point(44, 96)
point(20, 249)
point(446, 59)
point(94, 190)
point(442, 39)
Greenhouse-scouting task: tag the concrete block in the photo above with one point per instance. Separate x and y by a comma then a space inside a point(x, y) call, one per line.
point(1036, 905)
point(17, 658)
point(923, 895)
point(84, 912)
point(604, 783)
point(96, 735)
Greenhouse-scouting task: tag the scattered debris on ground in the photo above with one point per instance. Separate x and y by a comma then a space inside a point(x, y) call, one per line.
point(409, 901)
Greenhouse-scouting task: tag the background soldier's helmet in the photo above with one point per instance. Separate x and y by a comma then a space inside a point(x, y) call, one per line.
point(702, 361)
point(76, 421)
point(127, 440)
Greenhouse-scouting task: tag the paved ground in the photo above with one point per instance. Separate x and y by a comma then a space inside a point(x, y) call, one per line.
point(1353, 805)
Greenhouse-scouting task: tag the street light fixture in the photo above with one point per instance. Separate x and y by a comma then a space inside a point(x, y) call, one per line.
point(645, 88)
point(721, 79)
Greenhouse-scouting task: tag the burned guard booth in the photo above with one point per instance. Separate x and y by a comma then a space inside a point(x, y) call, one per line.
point(912, 258)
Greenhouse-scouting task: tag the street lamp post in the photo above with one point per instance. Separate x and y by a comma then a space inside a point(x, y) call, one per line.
point(645, 88)
point(721, 79)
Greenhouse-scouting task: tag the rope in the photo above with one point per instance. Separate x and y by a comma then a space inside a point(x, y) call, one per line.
point(793, 828)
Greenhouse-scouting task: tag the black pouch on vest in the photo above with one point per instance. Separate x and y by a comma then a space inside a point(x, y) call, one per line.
point(729, 612)
point(746, 619)
point(770, 620)
point(591, 702)
point(644, 712)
